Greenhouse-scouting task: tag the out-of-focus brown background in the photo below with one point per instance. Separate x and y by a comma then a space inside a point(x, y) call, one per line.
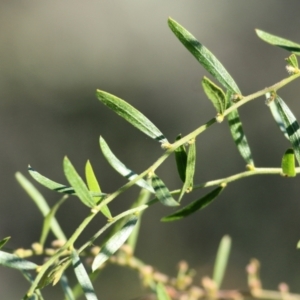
point(53, 57)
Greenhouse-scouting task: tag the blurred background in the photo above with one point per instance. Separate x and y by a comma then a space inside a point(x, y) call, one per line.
point(55, 54)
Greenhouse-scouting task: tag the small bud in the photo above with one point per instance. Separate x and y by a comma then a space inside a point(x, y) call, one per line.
point(283, 287)
point(269, 98)
point(57, 243)
point(95, 250)
point(250, 167)
point(236, 97)
point(291, 70)
point(166, 146)
point(219, 118)
point(37, 248)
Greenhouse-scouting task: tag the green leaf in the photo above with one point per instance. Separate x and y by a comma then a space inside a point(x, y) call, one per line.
point(83, 277)
point(132, 115)
point(120, 167)
point(274, 111)
point(161, 292)
point(50, 184)
point(4, 241)
point(290, 123)
point(190, 170)
point(14, 261)
point(162, 192)
point(143, 198)
point(222, 260)
point(238, 135)
point(78, 184)
point(94, 186)
point(204, 56)
point(288, 163)
point(292, 61)
point(114, 243)
point(181, 160)
point(278, 41)
point(49, 218)
point(214, 94)
point(68, 294)
point(41, 203)
point(194, 206)
point(216, 69)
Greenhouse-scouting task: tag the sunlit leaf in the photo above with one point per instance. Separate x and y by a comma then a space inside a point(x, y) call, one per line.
point(114, 243)
point(41, 203)
point(13, 261)
point(132, 115)
point(214, 94)
point(194, 206)
point(190, 170)
point(161, 292)
point(288, 163)
point(78, 184)
point(181, 160)
point(120, 167)
point(162, 192)
point(204, 56)
point(94, 186)
point(216, 69)
point(290, 123)
point(50, 184)
point(83, 277)
point(48, 220)
point(222, 260)
point(278, 41)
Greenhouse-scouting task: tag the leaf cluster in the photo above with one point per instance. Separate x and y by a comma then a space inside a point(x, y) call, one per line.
point(226, 97)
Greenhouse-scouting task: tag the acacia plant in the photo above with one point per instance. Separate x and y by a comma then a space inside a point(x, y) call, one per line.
point(121, 230)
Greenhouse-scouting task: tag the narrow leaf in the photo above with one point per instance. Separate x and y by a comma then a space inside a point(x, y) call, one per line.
point(162, 192)
point(132, 115)
point(204, 56)
point(50, 184)
point(274, 111)
point(114, 243)
point(214, 94)
point(161, 292)
point(120, 167)
point(194, 206)
point(181, 160)
point(278, 41)
point(66, 288)
point(216, 69)
point(77, 183)
point(41, 203)
point(143, 198)
point(291, 125)
point(288, 163)
point(238, 135)
point(190, 170)
point(48, 220)
point(94, 186)
point(13, 261)
point(4, 241)
point(222, 260)
point(83, 277)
